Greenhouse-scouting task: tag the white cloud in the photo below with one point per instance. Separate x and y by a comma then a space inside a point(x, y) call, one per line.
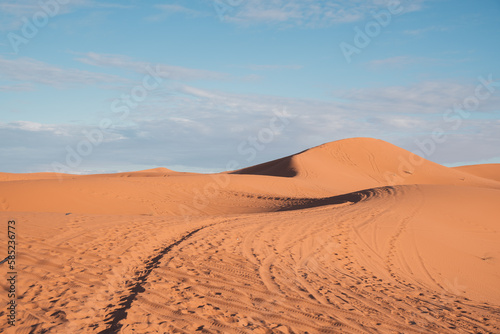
point(476, 141)
point(404, 61)
point(164, 70)
point(255, 67)
point(167, 10)
point(405, 122)
point(13, 11)
point(421, 31)
point(310, 13)
point(430, 97)
point(33, 71)
point(397, 61)
point(17, 87)
point(29, 126)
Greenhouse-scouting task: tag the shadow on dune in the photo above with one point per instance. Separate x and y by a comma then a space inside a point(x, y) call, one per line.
point(281, 168)
point(351, 198)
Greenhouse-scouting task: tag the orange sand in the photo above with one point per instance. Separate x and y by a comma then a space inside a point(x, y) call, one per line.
point(347, 237)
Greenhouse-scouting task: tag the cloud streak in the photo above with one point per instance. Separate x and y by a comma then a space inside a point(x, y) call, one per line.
point(167, 10)
point(430, 97)
point(31, 71)
point(164, 70)
point(310, 13)
point(12, 11)
point(398, 61)
point(255, 67)
point(24, 73)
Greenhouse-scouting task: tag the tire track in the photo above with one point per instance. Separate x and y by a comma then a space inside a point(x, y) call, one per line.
point(113, 319)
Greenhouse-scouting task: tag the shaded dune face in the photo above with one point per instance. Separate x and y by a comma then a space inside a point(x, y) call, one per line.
point(283, 167)
point(347, 237)
point(350, 198)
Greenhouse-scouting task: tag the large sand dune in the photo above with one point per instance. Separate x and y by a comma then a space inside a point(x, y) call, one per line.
point(354, 236)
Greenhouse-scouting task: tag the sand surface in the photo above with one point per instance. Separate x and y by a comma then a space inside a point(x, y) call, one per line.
point(354, 236)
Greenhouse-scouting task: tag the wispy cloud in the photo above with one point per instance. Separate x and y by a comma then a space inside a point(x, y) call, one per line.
point(398, 61)
point(164, 70)
point(405, 122)
point(429, 97)
point(476, 142)
point(19, 7)
point(166, 10)
point(31, 71)
point(24, 87)
point(13, 11)
point(35, 127)
point(422, 31)
point(255, 67)
point(311, 13)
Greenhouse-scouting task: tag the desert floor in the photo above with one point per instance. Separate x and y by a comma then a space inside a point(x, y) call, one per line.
point(354, 236)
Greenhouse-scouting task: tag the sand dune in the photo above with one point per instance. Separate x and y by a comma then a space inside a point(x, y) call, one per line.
point(347, 237)
point(360, 163)
point(155, 172)
point(487, 171)
point(33, 176)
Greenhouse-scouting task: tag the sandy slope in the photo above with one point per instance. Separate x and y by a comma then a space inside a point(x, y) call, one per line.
point(487, 171)
point(342, 238)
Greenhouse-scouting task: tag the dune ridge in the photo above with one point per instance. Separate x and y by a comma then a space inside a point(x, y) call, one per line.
point(353, 236)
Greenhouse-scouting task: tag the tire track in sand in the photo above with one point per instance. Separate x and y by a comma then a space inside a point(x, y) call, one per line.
point(120, 313)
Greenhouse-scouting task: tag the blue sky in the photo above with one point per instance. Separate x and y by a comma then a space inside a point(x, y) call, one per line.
point(195, 85)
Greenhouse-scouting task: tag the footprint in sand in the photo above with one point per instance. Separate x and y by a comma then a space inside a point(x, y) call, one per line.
point(4, 206)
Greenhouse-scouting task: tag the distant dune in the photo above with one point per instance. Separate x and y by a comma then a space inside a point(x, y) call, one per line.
point(353, 236)
point(488, 171)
